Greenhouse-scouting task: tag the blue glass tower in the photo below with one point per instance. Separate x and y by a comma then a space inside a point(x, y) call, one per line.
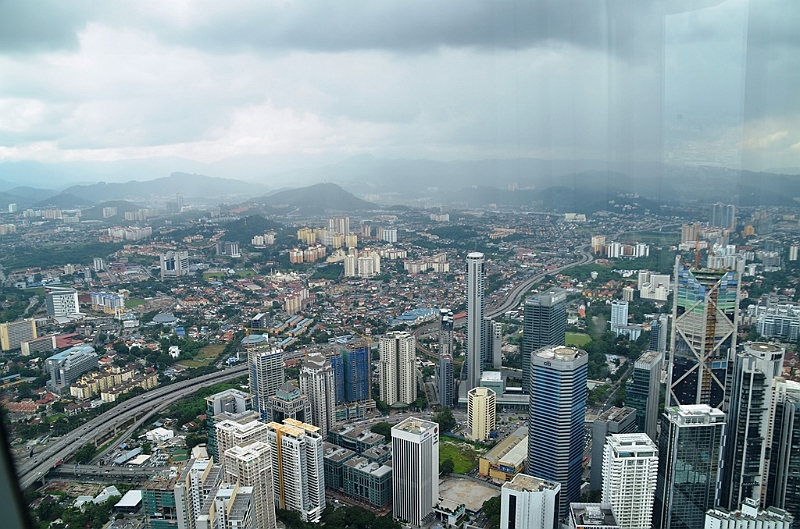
point(351, 371)
point(555, 419)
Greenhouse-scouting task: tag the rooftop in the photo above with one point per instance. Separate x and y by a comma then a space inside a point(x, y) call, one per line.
point(560, 353)
point(592, 515)
point(527, 483)
point(415, 425)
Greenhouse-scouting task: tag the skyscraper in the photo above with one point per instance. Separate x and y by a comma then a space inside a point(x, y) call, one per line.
point(556, 417)
point(198, 479)
point(266, 375)
point(545, 323)
point(746, 446)
point(619, 315)
point(689, 447)
point(251, 466)
point(705, 317)
point(398, 368)
point(415, 470)
point(493, 344)
point(351, 369)
point(230, 404)
point(527, 502)
point(317, 382)
point(297, 468)
point(642, 391)
point(611, 421)
point(783, 484)
point(446, 390)
point(481, 411)
point(475, 327)
point(721, 215)
point(658, 334)
point(231, 433)
point(174, 264)
point(288, 403)
point(630, 466)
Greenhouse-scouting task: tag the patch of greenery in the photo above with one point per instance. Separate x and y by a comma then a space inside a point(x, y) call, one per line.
point(463, 456)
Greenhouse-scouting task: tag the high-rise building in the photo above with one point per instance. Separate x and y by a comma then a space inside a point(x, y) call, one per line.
point(174, 264)
point(228, 507)
point(592, 516)
point(159, 508)
point(630, 467)
point(746, 445)
point(196, 482)
point(251, 466)
point(619, 315)
point(475, 327)
point(527, 502)
point(659, 333)
point(317, 382)
point(705, 317)
point(230, 404)
point(545, 323)
point(446, 382)
point(749, 516)
point(297, 468)
point(611, 421)
point(67, 366)
point(721, 215)
point(351, 368)
point(13, 333)
point(288, 403)
point(61, 302)
point(556, 418)
point(481, 410)
point(266, 375)
point(642, 391)
point(493, 344)
point(398, 368)
point(690, 456)
point(339, 225)
point(415, 470)
point(231, 433)
point(783, 483)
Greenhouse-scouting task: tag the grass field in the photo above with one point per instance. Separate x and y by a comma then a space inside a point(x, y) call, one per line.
point(204, 357)
point(577, 339)
point(245, 273)
point(464, 457)
point(213, 275)
point(133, 302)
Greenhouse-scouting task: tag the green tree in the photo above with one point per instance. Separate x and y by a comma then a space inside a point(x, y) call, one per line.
point(85, 453)
point(491, 509)
point(445, 420)
point(446, 467)
point(382, 428)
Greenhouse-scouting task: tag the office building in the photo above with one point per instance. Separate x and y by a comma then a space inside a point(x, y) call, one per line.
point(297, 468)
point(556, 419)
point(475, 328)
point(351, 369)
point(783, 483)
point(159, 508)
point(545, 323)
point(446, 382)
point(592, 516)
point(198, 480)
point(659, 331)
point(749, 516)
point(690, 456)
point(13, 333)
point(493, 345)
point(630, 468)
point(368, 481)
point(231, 433)
point(481, 409)
point(619, 315)
point(266, 375)
point(748, 423)
point(230, 404)
point(703, 338)
point(228, 507)
point(174, 264)
point(398, 368)
point(251, 466)
point(333, 459)
point(415, 470)
point(318, 384)
point(62, 302)
point(611, 421)
point(288, 403)
point(228, 248)
point(642, 391)
point(67, 366)
point(721, 215)
point(527, 502)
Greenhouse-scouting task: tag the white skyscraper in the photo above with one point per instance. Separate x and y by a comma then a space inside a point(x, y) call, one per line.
point(481, 410)
point(527, 502)
point(415, 470)
point(475, 326)
point(266, 375)
point(630, 469)
point(397, 368)
point(231, 433)
point(298, 475)
point(251, 466)
point(619, 314)
point(318, 383)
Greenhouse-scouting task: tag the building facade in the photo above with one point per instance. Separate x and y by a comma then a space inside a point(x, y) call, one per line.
point(67, 366)
point(611, 421)
point(318, 384)
point(545, 323)
point(351, 370)
point(266, 375)
point(556, 419)
point(288, 403)
point(174, 264)
point(398, 370)
point(481, 410)
point(642, 391)
point(251, 466)
point(630, 468)
point(61, 302)
point(415, 470)
point(13, 333)
point(783, 483)
point(476, 271)
point(527, 502)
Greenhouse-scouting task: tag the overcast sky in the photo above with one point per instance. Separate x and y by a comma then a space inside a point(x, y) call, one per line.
point(607, 80)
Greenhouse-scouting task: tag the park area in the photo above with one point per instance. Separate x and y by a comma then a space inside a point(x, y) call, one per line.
point(577, 339)
point(463, 455)
point(204, 357)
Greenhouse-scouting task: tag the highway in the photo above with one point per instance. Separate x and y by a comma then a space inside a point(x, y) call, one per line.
point(144, 406)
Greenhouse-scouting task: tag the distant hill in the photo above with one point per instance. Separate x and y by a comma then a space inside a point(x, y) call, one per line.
point(96, 212)
point(243, 230)
point(319, 196)
point(64, 200)
point(188, 185)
